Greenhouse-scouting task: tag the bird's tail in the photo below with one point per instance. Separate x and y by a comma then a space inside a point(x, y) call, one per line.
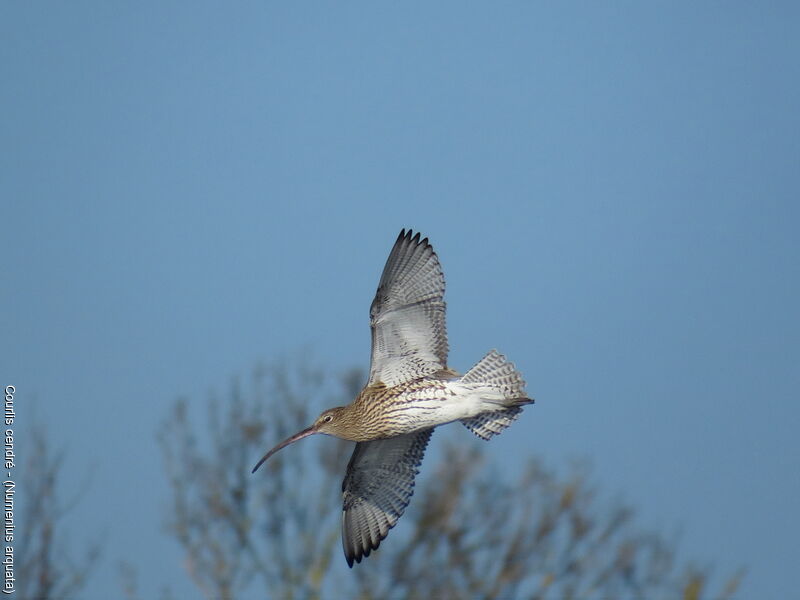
point(494, 371)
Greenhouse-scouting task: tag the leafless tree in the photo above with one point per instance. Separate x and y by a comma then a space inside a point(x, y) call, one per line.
point(468, 533)
point(46, 566)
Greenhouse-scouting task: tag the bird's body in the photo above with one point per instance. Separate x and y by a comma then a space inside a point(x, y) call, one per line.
point(408, 407)
point(410, 391)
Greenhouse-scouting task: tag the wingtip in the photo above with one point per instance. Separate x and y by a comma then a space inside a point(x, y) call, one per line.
point(355, 557)
point(405, 234)
point(408, 235)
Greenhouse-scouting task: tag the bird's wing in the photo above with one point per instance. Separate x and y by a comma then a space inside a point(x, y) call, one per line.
point(377, 488)
point(407, 316)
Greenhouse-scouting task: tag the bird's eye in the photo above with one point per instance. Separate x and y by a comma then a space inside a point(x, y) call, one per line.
point(327, 419)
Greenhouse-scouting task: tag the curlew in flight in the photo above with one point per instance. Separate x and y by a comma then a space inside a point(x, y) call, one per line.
point(410, 391)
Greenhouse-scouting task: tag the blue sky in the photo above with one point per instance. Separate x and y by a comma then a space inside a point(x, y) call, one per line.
point(613, 191)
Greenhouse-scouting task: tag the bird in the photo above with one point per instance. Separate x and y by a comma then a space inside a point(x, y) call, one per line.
point(410, 391)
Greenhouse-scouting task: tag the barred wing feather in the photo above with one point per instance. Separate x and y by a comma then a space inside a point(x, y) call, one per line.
point(407, 316)
point(377, 488)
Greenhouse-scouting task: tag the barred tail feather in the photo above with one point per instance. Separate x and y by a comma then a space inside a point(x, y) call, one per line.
point(495, 371)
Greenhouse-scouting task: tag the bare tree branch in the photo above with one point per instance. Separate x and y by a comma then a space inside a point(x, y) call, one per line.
point(47, 568)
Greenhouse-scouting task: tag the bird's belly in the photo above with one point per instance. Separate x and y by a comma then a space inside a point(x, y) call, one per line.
point(422, 409)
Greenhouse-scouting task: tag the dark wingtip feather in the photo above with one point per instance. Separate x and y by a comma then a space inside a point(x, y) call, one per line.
point(408, 236)
point(356, 556)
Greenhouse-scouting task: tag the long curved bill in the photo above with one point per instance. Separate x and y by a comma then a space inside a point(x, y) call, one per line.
point(297, 436)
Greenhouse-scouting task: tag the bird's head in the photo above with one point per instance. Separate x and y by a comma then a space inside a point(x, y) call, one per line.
point(331, 422)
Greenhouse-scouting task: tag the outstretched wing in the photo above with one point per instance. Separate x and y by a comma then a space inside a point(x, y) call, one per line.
point(377, 488)
point(407, 316)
